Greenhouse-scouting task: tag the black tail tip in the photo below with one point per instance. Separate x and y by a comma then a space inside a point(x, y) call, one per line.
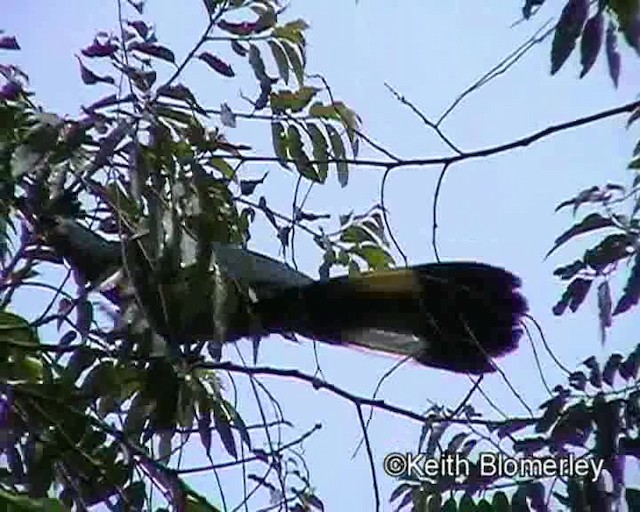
point(481, 320)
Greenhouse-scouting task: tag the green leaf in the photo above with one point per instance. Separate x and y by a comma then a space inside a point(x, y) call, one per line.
point(500, 502)
point(450, 506)
point(223, 166)
point(376, 257)
point(21, 503)
point(435, 503)
point(519, 500)
point(295, 101)
point(467, 504)
point(23, 160)
point(136, 495)
point(257, 64)
point(484, 506)
point(292, 31)
point(222, 422)
point(296, 62)
point(281, 60)
point(302, 162)
point(337, 148)
point(350, 120)
point(632, 497)
point(16, 330)
point(320, 150)
point(324, 111)
point(280, 143)
point(167, 112)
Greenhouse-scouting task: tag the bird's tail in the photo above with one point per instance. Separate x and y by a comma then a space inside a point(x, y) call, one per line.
point(457, 316)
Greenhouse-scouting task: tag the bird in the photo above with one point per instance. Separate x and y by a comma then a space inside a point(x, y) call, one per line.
point(456, 315)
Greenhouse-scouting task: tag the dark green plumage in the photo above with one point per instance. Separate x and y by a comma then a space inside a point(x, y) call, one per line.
point(456, 315)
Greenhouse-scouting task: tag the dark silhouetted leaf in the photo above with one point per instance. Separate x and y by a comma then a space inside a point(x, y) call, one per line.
point(536, 493)
point(610, 250)
point(610, 368)
point(100, 50)
point(633, 117)
point(210, 5)
point(247, 187)
point(500, 502)
point(223, 428)
point(589, 223)
point(604, 308)
point(107, 101)
point(455, 442)
point(527, 9)
point(574, 427)
point(530, 445)
point(613, 56)
point(631, 292)
point(595, 375)
point(567, 32)
point(68, 338)
point(81, 359)
point(449, 506)
point(227, 117)
point(237, 29)
point(552, 409)
point(238, 48)
point(608, 427)
point(591, 42)
point(90, 78)
point(592, 194)
point(10, 91)
point(569, 271)
point(216, 64)
point(519, 499)
point(9, 43)
point(630, 447)
point(578, 380)
point(140, 27)
point(164, 445)
point(24, 160)
point(467, 447)
point(109, 144)
point(84, 312)
point(632, 497)
point(629, 368)
point(573, 296)
point(154, 50)
point(257, 64)
point(510, 427)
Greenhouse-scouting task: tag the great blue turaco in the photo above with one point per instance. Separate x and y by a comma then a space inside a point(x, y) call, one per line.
point(456, 316)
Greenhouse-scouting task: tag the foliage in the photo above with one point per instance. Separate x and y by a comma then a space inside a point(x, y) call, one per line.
point(100, 415)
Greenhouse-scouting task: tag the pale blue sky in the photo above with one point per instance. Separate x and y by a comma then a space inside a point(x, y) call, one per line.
point(498, 209)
